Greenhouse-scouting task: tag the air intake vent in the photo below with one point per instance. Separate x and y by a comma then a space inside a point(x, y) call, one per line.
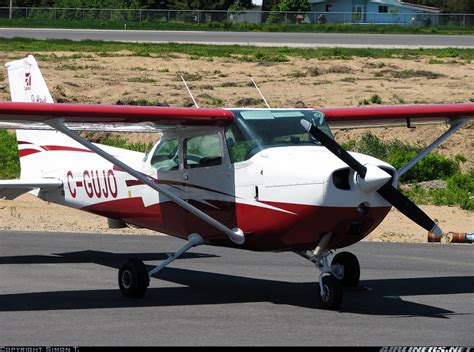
point(340, 178)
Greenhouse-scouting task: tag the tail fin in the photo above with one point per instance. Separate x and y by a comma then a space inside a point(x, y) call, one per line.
point(27, 85)
point(26, 82)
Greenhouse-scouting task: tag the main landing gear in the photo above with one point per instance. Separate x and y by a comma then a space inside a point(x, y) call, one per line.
point(344, 271)
point(133, 277)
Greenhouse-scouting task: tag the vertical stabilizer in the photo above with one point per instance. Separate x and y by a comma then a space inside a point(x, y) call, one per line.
point(27, 84)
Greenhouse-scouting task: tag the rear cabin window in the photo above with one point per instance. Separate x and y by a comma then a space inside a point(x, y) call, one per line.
point(202, 151)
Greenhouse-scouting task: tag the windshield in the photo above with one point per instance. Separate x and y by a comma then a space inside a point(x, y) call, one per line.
point(255, 130)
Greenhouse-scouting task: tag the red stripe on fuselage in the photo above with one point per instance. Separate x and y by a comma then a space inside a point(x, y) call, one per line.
point(65, 149)
point(25, 152)
point(265, 229)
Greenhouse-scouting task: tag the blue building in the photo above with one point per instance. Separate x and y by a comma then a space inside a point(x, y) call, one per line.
point(375, 11)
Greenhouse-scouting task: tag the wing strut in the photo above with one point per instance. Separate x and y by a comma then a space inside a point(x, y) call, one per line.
point(235, 235)
point(455, 126)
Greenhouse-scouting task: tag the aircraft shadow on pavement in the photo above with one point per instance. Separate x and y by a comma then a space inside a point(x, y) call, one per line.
point(103, 258)
point(375, 297)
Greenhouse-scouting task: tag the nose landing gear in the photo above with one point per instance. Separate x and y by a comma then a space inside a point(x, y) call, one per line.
point(344, 271)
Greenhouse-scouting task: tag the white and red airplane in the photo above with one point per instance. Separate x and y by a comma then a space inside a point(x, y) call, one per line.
point(254, 179)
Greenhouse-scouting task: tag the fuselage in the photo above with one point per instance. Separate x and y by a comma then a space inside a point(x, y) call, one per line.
point(282, 189)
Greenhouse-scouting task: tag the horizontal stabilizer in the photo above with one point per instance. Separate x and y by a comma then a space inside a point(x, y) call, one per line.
point(10, 189)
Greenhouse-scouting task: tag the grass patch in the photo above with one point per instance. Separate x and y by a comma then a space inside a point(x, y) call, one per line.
point(405, 74)
point(229, 26)
point(141, 80)
point(349, 79)
point(374, 99)
point(114, 140)
point(339, 69)
point(75, 67)
point(210, 100)
point(249, 102)
point(188, 76)
point(459, 191)
point(435, 62)
point(297, 74)
point(111, 49)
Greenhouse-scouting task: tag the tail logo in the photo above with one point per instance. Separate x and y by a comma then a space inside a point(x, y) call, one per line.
point(27, 81)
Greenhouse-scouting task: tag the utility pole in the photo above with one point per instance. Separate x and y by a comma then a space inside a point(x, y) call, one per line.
point(10, 13)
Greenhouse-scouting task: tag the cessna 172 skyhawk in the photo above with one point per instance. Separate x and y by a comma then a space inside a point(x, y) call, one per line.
point(255, 179)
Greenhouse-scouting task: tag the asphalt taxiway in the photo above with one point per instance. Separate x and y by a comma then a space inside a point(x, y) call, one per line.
point(61, 289)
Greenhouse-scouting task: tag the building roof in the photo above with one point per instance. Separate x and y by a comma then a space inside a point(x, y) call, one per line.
point(391, 2)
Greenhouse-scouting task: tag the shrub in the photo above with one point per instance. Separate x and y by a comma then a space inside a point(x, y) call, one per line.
point(9, 163)
point(397, 153)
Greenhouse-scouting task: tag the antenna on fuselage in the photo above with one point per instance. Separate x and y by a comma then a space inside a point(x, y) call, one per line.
point(189, 92)
point(265, 100)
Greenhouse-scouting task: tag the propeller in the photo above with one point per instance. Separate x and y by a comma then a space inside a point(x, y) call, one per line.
point(371, 178)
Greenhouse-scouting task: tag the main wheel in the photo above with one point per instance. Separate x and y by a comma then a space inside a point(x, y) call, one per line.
point(133, 278)
point(332, 293)
point(351, 268)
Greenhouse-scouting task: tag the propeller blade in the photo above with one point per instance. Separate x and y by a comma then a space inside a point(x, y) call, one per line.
point(334, 148)
point(387, 191)
point(408, 208)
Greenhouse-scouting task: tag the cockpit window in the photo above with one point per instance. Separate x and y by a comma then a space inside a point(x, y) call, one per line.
point(166, 155)
point(255, 130)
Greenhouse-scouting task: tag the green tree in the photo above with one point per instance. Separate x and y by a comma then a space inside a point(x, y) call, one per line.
point(270, 5)
point(294, 5)
point(239, 5)
point(198, 5)
point(453, 6)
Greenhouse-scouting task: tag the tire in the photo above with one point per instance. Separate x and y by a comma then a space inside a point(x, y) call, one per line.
point(332, 298)
point(351, 268)
point(133, 278)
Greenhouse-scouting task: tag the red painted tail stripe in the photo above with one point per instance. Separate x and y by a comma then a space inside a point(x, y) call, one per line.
point(49, 148)
point(25, 152)
point(64, 148)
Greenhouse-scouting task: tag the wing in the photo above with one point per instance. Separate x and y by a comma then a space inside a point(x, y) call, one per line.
point(398, 115)
point(109, 117)
point(13, 188)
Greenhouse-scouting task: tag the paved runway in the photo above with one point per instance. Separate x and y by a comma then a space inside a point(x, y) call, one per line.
point(251, 38)
point(60, 289)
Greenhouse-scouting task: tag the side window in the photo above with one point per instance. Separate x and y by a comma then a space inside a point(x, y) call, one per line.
point(201, 151)
point(166, 156)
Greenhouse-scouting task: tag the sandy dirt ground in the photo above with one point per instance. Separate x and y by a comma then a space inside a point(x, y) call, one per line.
point(92, 78)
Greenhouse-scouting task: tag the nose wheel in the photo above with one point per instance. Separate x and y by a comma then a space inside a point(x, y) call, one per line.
point(331, 292)
point(344, 271)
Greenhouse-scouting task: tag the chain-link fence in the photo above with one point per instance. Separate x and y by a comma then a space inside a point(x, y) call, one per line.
point(250, 17)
